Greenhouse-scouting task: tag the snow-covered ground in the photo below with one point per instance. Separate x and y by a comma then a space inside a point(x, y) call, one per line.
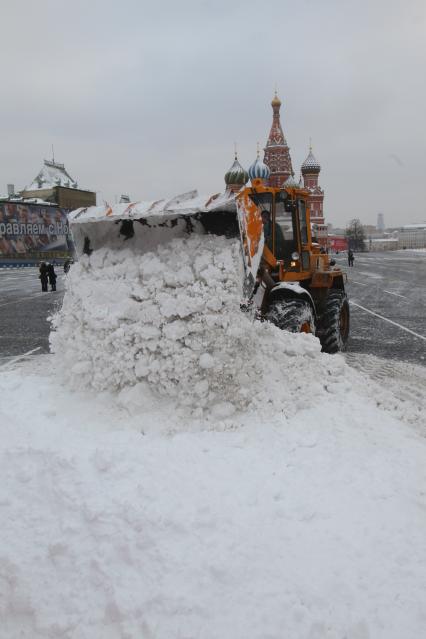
point(177, 470)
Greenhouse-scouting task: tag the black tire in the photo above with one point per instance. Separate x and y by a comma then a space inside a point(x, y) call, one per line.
point(294, 315)
point(334, 323)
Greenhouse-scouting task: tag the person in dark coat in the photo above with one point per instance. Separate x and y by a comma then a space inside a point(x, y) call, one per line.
point(52, 276)
point(351, 257)
point(43, 276)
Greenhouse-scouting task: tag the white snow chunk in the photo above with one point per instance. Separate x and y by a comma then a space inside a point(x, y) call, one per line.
point(206, 361)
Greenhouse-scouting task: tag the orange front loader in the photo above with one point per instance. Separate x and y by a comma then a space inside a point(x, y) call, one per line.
point(291, 282)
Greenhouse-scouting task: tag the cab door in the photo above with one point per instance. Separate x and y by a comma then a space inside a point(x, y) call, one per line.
point(286, 221)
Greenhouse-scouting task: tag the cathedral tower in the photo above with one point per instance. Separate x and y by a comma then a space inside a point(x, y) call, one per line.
point(310, 171)
point(277, 152)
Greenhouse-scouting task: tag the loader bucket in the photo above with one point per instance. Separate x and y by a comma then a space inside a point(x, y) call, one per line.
point(149, 224)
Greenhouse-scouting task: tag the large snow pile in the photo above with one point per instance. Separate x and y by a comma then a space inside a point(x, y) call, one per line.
point(310, 526)
point(169, 320)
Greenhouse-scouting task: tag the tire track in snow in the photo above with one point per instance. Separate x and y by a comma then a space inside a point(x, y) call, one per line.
point(403, 380)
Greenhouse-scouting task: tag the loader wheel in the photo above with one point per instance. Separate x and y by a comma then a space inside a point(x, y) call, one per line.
point(292, 315)
point(334, 323)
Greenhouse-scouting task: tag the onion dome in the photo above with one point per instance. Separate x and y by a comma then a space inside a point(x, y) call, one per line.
point(236, 176)
point(291, 182)
point(311, 165)
point(276, 102)
point(259, 170)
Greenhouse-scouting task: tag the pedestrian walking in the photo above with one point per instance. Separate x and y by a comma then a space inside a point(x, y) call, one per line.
point(52, 276)
point(43, 276)
point(351, 257)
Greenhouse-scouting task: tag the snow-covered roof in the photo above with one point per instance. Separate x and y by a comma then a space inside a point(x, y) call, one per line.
point(52, 174)
point(414, 227)
point(185, 204)
point(311, 163)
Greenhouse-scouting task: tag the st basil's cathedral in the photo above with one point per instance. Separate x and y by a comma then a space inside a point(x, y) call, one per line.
point(277, 171)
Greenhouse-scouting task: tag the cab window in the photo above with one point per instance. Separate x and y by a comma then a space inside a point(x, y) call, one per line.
point(284, 216)
point(285, 220)
point(263, 201)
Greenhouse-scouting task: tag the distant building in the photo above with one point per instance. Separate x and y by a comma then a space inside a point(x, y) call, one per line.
point(383, 244)
point(337, 243)
point(371, 231)
point(380, 222)
point(54, 184)
point(412, 236)
point(34, 224)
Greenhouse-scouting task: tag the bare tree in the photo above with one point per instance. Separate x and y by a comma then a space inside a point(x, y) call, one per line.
point(355, 235)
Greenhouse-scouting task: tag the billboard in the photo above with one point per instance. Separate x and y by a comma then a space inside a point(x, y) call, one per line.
point(33, 232)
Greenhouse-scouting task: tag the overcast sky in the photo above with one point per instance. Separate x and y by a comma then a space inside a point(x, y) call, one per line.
point(147, 98)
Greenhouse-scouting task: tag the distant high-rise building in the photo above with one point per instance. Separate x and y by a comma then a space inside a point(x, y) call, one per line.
point(380, 222)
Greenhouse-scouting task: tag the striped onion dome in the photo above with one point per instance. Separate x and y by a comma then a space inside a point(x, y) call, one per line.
point(236, 174)
point(259, 170)
point(291, 182)
point(311, 165)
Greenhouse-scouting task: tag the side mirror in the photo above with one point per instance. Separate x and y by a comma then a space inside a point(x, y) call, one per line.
point(332, 262)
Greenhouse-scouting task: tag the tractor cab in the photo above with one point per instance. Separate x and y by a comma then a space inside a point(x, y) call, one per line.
point(286, 230)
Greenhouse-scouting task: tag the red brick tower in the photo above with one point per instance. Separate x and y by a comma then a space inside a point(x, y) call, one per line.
point(277, 151)
point(310, 171)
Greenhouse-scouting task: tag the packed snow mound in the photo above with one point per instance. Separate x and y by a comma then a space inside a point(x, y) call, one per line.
point(170, 320)
point(308, 528)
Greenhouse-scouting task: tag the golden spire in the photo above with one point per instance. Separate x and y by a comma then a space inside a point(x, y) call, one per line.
point(275, 100)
